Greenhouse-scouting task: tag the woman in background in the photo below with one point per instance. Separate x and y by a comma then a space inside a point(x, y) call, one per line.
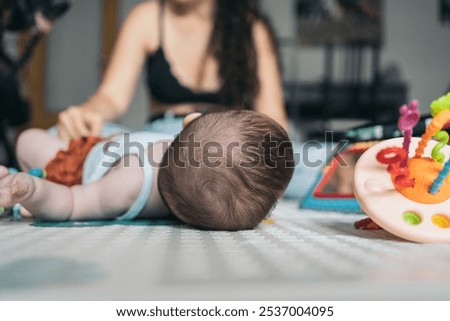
point(197, 54)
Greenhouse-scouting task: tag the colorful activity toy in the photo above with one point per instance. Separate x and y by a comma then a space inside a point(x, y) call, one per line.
point(403, 184)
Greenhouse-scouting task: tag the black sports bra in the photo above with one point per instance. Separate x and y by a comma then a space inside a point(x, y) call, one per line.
point(164, 86)
point(167, 89)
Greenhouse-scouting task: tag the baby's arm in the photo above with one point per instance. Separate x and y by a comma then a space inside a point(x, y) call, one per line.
point(107, 198)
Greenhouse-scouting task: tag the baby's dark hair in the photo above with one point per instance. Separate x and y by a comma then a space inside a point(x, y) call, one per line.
point(226, 170)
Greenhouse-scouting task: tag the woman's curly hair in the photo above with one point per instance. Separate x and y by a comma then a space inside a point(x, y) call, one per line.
point(232, 44)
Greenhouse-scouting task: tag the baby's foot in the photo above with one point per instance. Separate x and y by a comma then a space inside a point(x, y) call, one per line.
point(14, 188)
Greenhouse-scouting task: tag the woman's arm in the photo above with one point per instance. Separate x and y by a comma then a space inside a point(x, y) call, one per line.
point(270, 98)
point(138, 36)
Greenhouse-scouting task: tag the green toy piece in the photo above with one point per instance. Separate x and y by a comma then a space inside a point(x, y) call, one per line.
point(440, 104)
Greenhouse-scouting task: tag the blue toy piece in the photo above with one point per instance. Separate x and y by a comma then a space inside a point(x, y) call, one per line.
point(16, 212)
point(12, 170)
point(37, 172)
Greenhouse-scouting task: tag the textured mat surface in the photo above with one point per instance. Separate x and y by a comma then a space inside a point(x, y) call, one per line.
point(300, 255)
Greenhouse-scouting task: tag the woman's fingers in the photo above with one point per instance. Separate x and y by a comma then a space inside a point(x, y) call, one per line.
point(79, 124)
point(95, 123)
point(76, 122)
point(66, 127)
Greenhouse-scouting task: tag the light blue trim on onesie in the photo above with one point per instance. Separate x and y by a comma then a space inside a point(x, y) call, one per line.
point(95, 165)
point(169, 124)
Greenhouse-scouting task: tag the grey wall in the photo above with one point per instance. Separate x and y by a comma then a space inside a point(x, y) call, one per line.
point(420, 45)
point(415, 42)
point(73, 65)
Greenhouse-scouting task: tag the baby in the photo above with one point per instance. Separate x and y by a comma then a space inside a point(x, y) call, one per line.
point(224, 171)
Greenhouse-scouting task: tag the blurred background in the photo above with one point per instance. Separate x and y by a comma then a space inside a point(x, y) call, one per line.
point(345, 63)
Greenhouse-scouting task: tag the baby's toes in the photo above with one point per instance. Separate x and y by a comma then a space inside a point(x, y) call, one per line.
point(6, 197)
point(15, 189)
point(3, 171)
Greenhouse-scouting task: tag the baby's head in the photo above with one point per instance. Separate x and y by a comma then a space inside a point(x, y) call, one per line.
point(226, 170)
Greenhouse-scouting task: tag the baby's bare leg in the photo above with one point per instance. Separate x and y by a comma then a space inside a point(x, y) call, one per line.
point(107, 198)
point(35, 148)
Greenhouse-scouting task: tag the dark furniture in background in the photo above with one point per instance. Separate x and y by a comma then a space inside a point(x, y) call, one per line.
point(444, 11)
point(353, 30)
point(351, 97)
point(6, 148)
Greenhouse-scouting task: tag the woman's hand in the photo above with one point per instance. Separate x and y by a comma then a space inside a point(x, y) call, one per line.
point(78, 121)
